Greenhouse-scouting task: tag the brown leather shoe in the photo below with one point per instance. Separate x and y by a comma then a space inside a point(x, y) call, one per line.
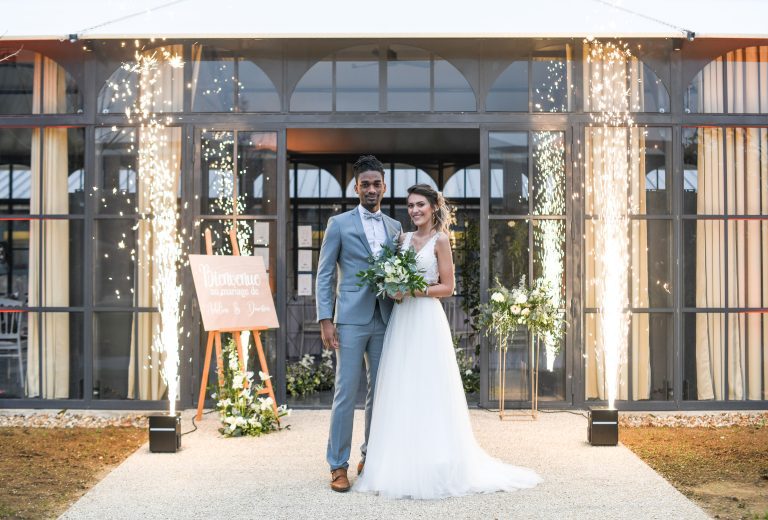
point(339, 480)
point(360, 466)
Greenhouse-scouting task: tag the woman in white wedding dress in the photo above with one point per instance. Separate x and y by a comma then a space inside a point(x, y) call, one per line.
point(421, 443)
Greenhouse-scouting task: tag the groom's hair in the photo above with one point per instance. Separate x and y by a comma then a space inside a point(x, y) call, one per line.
point(367, 163)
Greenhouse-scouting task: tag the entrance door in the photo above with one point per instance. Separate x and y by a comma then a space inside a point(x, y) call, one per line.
point(527, 211)
point(321, 184)
point(238, 178)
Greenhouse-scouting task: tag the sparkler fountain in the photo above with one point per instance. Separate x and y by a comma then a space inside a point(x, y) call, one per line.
point(160, 243)
point(610, 152)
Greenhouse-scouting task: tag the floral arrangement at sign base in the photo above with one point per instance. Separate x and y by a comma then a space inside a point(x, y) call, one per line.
point(393, 272)
point(241, 410)
point(508, 310)
point(306, 377)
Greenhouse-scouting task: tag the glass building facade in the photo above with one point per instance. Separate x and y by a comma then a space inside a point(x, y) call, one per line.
point(268, 130)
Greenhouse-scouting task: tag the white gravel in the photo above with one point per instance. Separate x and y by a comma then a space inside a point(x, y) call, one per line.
point(284, 475)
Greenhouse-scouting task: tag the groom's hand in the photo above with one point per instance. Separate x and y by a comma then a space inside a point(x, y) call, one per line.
point(328, 334)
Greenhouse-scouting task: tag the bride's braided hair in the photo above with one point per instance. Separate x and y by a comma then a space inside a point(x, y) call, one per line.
point(441, 211)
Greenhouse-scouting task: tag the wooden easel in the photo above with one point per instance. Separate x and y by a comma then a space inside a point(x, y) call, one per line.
point(214, 336)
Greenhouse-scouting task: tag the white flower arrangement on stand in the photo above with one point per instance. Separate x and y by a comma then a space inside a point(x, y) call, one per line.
point(509, 310)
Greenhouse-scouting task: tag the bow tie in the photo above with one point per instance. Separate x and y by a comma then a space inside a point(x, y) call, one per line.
point(372, 216)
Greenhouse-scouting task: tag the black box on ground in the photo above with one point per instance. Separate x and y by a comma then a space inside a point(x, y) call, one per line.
point(164, 433)
point(603, 427)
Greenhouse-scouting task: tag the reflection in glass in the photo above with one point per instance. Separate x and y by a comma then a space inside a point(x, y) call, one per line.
point(509, 256)
point(703, 263)
point(114, 264)
point(357, 80)
point(651, 341)
point(16, 169)
point(14, 259)
point(314, 91)
point(405, 176)
point(257, 172)
point(509, 157)
point(256, 92)
point(58, 338)
point(549, 85)
point(452, 91)
point(548, 173)
point(214, 81)
point(217, 167)
point(312, 182)
point(651, 264)
point(509, 93)
point(112, 333)
point(732, 83)
point(408, 79)
point(116, 166)
point(20, 83)
point(721, 354)
point(651, 187)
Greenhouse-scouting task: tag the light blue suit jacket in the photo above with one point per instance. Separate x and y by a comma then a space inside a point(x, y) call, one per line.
point(345, 253)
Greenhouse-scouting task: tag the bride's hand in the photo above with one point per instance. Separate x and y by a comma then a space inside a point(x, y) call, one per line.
point(398, 296)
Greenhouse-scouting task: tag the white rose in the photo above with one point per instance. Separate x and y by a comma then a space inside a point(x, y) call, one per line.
point(497, 297)
point(521, 298)
point(526, 312)
point(515, 309)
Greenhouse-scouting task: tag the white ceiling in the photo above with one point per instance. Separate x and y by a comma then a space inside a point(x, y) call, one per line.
point(97, 19)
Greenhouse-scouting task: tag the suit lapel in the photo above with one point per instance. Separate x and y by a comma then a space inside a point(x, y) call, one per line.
point(359, 230)
point(391, 230)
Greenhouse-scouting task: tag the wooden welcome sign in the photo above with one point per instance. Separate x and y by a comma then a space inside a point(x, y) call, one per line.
point(234, 296)
point(233, 292)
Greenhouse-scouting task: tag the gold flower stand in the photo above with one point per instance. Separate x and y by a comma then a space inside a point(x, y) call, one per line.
point(533, 379)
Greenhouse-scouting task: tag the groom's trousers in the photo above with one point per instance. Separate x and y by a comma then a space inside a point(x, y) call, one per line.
point(357, 343)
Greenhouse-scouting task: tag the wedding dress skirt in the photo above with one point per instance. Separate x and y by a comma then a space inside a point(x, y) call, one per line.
point(421, 443)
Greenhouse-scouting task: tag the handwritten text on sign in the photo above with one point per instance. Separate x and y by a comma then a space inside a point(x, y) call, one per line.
point(233, 292)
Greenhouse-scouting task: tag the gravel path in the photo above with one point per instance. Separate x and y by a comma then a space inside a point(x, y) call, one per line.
point(283, 475)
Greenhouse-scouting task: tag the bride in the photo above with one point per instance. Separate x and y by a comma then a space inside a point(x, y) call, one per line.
point(421, 443)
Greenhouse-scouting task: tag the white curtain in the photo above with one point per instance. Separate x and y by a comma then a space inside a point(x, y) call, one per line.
point(48, 333)
point(738, 156)
point(596, 76)
point(168, 93)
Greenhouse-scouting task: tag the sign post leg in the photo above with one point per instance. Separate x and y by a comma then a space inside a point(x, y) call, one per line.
point(204, 379)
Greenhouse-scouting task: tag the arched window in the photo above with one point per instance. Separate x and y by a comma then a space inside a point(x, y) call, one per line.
point(735, 83)
point(25, 74)
point(538, 83)
point(417, 80)
point(313, 182)
point(222, 81)
point(463, 184)
point(119, 91)
point(647, 93)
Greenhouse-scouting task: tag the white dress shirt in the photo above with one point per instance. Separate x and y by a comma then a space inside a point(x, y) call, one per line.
point(375, 231)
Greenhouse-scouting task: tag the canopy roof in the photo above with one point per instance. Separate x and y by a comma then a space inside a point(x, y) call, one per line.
point(109, 19)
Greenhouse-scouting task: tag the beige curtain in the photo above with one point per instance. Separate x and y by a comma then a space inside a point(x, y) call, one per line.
point(48, 333)
point(596, 75)
point(168, 93)
point(740, 155)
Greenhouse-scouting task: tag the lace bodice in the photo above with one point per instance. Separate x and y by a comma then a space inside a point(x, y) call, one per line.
point(426, 258)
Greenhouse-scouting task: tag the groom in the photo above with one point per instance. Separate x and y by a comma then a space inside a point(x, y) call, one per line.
point(356, 328)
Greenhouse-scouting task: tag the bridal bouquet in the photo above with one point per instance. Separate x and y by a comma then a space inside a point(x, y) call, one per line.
point(393, 272)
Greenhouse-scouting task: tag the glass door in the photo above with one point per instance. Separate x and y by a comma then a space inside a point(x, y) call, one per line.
point(527, 225)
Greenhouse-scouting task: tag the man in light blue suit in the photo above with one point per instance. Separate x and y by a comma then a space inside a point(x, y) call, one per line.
point(352, 319)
